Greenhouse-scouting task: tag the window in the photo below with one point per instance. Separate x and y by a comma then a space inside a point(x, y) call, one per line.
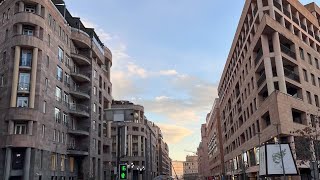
point(60, 31)
point(22, 102)
point(58, 136)
point(1, 80)
point(71, 163)
point(66, 98)
point(54, 134)
point(26, 58)
point(94, 125)
point(317, 63)
point(17, 159)
point(8, 15)
point(313, 79)
point(4, 17)
point(60, 54)
point(68, 61)
point(24, 82)
point(310, 58)
point(43, 129)
point(316, 99)
point(28, 30)
point(44, 107)
point(94, 107)
point(20, 128)
point(49, 40)
point(62, 138)
point(94, 90)
point(63, 159)
point(7, 34)
point(309, 97)
point(305, 75)
point(57, 115)
point(58, 94)
point(65, 119)
point(46, 84)
point(59, 73)
point(67, 79)
point(47, 61)
point(301, 53)
point(53, 162)
point(30, 9)
point(95, 73)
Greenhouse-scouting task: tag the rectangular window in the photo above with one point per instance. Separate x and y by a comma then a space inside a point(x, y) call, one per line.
point(22, 102)
point(57, 115)
point(58, 136)
point(93, 125)
point(47, 61)
point(309, 97)
point(63, 159)
point(313, 79)
point(94, 107)
point(310, 58)
point(71, 164)
point(54, 134)
point(49, 40)
point(317, 63)
point(43, 130)
point(67, 79)
point(65, 119)
point(95, 73)
point(60, 31)
point(1, 80)
point(305, 75)
point(4, 57)
point(58, 94)
point(301, 53)
point(28, 30)
point(46, 82)
point(66, 98)
point(94, 90)
point(67, 61)
point(62, 137)
point(53, 162)
point(20, 129)
point(26, 58)
point(316, 99)
point(24, 82)
point(44, 108)
point(30, 9)
point(59, 73)
point(60, 54)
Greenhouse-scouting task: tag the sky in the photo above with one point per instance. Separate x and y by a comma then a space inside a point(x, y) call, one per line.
point(168, 56)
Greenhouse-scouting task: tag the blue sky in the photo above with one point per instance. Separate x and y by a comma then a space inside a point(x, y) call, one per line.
point(168, 56)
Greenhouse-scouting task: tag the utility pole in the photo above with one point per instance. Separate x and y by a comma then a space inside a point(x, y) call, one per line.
point(279, 143)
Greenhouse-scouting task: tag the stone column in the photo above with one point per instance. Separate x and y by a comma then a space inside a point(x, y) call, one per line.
point(26, 169)
point(267, 63)
point(15, 77)
point(109, 129)
point(279, 62)
point(30, 128)
point(39, 9)
point(11, 127)
point(271, 6)
point(260, 5)
point(37, 31)
point(139, 145)
point(21, 6)
point(33, 77)
point(7, 165)
point(19, 29)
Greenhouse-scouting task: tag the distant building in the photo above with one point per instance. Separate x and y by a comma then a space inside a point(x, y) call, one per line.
point(190, 168)
point(202, 150)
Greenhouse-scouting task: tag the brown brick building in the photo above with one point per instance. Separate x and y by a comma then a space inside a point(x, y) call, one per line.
point(54, 86)
point(271, 78)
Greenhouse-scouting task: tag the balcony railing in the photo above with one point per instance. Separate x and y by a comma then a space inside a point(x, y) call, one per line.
point(74, 147)
point(78, 108)
point(258, 57)
point(304, 27)
point(310, 33)
point(76, 71)
point(288, 51)
point(24, 87)
point(25, 63)
point(291, 75)
point(80, 90)
point(286, 12)
point(261, 79)
point(277, 4)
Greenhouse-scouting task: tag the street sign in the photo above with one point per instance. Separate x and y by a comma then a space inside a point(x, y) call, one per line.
point(123, 171)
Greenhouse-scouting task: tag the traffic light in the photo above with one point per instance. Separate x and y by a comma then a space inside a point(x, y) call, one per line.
point(123, 171)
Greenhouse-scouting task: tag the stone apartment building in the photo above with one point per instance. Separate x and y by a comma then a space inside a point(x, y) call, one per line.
point(54, 86)
point(145, 145)
point(270, 82)
point(202, 151)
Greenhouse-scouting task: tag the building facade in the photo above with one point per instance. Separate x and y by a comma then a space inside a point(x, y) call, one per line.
point(202, 151)
point(190, 168)
point(270, 83)
point(54, 85)
point(145, 147)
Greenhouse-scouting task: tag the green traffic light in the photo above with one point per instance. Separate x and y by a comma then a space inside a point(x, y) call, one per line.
point(123, 172)
point(123, 176)
point(123, 168)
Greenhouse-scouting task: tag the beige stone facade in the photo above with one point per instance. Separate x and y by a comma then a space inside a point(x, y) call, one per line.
point(271, 79)
point(54, 86)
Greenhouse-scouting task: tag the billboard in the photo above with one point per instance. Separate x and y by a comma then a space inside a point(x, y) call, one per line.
point(271, 161)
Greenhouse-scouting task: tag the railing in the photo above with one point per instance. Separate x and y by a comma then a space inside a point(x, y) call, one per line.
point(288, 51)
point(291, 75)
point(23, 86)
point(78, 108)
point(277, 4)
point(79, 90)
point(261, 79)
point(26, 63)
point(310, 32)
point(258, 57)
point(86, 129)
point(76, 71)
point(74, 147)
point(295, 19)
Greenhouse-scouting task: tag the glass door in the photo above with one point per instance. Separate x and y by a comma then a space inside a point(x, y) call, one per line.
point(24, 81)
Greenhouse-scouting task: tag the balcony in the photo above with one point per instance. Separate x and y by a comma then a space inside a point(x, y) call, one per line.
point(304, 27)
point(79, 131)
point(261, 79)
point(80, 76)
point(24, 87)
point(317, 38)
point(79, 110)
point(255, 10)
point(286, 12)
point(80, 93)
point(277, 4)
point(310, 33)
point(288, 51)
point(291, 75)
point(25, 64)
point(296, 20)
point(80, 59)
point(258, 57)
point(73, 150)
